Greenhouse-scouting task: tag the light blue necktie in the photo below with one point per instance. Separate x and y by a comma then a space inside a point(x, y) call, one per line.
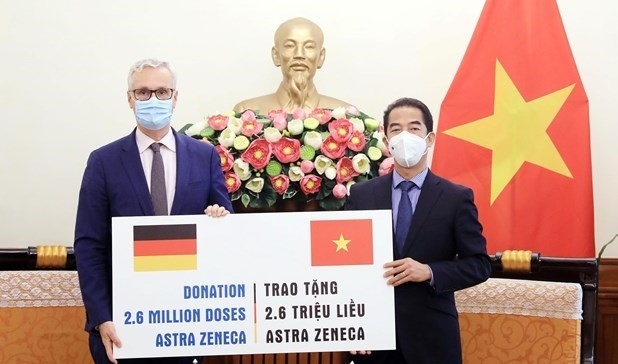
point(404, 215)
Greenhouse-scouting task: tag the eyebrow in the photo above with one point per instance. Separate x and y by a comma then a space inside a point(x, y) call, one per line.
point(415, 122)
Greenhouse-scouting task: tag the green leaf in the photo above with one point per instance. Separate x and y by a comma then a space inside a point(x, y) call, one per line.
point(332, 204)
point(606, 245)
point(246, 199)
point(207, 132)
point(184, 128)
point(236, 195)
point(365, 116)
point(266, 198)
point(289, 193)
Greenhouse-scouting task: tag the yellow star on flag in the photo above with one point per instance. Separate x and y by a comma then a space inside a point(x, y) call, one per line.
point(516, 132)
point(342, 243)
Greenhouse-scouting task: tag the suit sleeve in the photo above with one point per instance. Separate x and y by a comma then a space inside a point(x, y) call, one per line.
point(472, 265)
point(218, 192)
point(350, 202)
point(93, 244)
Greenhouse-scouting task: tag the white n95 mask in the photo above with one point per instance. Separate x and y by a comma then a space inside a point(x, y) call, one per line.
point(407, 148)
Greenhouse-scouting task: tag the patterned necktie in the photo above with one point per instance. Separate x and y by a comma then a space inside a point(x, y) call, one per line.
point(158, 192)
point(404, 215)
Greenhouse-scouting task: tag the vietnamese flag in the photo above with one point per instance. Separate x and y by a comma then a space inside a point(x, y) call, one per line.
point(514, 127)
point(164, 247)
point(341, 242)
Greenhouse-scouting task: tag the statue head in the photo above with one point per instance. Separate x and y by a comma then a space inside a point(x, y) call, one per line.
point(299, 51)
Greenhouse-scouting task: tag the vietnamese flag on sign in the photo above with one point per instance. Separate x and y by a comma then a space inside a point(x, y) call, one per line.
point(341, 242)
point(514, 127)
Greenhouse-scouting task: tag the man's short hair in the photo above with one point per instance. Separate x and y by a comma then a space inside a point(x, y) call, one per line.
point(409, 102)
point(152, 63)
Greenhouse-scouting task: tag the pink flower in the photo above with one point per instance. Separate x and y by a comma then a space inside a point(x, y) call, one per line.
point(273, 114)
point(386, 166)
point(345, 170)
point(310, 184)
point(227, 161)
point(232, 182)
point(218, 122)
point(280, 183)
point(280, 123)
point(352, 110)
point(306, 166)
point(339, 191)
point(299, 114)
point(257, 154)
point(332, 149)
point(279, 119)
point(287, 150)
point(322, 115)
point(341, 130)
point(356, 142)
point(250, 127)
point(248, 115)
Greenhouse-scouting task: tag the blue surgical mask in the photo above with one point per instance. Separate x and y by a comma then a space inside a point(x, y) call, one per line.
point(154, 114)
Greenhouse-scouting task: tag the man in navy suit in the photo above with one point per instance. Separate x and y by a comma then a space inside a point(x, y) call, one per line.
point(117, 182)
point(438, 245)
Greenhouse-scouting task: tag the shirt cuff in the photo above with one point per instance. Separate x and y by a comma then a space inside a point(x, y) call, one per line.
point(431, 273)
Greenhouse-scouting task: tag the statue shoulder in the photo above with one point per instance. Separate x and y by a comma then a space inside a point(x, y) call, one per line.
point(327, 102)
point(263, 103)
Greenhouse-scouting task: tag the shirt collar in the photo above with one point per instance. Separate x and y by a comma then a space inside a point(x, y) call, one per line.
point(418, 180)
point(143, 141)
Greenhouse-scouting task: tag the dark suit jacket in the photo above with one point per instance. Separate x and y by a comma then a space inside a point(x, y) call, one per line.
point(114, 185)
point(445, 234)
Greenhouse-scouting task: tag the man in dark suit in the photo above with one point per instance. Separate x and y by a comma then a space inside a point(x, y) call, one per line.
point(121, 179)
point(438, 243)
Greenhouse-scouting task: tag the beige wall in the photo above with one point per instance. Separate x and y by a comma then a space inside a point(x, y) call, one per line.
point(64, 65)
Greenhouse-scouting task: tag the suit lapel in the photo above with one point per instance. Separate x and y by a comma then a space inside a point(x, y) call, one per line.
point(134, 170)
point(430, 192)
point(384, 193)
point(183, 167)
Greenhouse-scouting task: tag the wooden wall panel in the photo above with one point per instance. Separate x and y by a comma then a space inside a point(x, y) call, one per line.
point(607, 313)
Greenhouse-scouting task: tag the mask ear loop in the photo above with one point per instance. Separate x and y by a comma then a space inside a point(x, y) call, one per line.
point(427, 145)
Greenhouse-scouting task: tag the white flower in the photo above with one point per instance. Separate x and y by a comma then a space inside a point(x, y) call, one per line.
point(379, 136)
point(338, 113)
point(255, 185)
point(313, 139)
point(321, 163)
point(242, 169)
point(226, 138)
point(196, 128)
point(271, 134)
point(296, 126)
point(358, 124)
point(349, 185)
point(361, 163)
point(331, 172)
point(295, 174)
point(235, 124)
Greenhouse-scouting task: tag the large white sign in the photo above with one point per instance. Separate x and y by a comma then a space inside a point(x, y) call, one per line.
point(252, 283)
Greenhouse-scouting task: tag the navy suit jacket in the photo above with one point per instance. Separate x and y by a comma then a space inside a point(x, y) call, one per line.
point(445, 234)
point(114, 184)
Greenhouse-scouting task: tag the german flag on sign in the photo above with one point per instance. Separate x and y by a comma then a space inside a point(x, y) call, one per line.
point(341, 242)
point(164, 247)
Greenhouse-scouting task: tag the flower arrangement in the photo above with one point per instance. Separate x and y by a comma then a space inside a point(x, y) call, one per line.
point(298, 156)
